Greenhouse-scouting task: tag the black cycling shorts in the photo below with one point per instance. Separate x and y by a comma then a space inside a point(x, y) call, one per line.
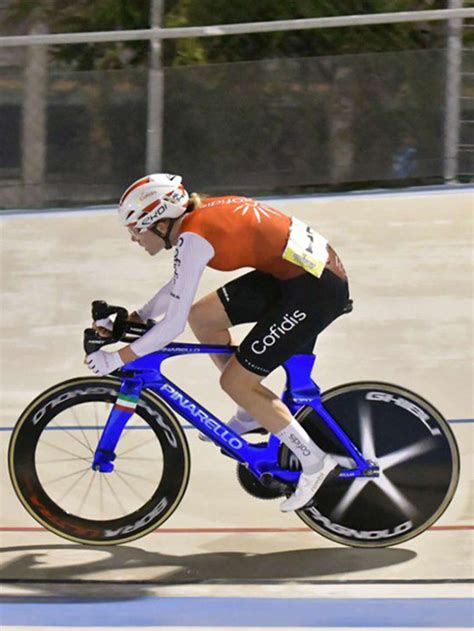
point(289, 314)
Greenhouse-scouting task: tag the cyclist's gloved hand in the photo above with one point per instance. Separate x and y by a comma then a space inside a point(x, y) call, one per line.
point(102, 363)
point(103, 327)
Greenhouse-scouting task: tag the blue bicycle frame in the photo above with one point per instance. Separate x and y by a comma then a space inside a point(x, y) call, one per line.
point(300, 391)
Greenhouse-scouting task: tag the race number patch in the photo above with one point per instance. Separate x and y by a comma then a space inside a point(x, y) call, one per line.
point(306, 248)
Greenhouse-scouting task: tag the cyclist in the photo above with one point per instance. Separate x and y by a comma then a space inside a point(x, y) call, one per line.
point(298, 286)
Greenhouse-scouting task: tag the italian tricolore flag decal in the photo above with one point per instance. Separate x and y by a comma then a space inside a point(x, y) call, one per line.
point(126, 402)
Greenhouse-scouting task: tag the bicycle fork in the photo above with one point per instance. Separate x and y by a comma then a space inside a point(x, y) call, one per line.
point(120, 413)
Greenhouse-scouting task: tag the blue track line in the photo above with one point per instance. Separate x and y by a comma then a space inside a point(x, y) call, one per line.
point(286, 613)
point(185, 427)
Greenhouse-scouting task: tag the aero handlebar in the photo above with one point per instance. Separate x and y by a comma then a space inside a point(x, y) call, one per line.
point(123, 330)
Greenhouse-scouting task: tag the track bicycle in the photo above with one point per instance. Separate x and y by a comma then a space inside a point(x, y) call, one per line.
point(104, 460)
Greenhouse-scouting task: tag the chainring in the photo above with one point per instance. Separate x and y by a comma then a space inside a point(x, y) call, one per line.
point(254, 487)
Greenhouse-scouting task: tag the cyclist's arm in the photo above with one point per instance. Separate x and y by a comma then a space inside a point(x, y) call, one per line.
point(157, 305)
point(193, 252)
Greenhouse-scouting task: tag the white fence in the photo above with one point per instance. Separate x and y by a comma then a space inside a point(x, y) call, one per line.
point(31, 188)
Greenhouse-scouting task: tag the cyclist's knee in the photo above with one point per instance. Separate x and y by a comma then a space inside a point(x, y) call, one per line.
point(209, 321)
point(226, 382)
point(195, 319)
point(235, 379)
point(200, 321)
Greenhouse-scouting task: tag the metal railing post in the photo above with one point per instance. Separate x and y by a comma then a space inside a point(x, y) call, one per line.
point(453, 95)
point(33, 133)
point(154, 140)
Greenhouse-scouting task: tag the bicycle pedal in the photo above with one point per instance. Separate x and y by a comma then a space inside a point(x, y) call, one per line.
point(270, 482)
point(257, 430)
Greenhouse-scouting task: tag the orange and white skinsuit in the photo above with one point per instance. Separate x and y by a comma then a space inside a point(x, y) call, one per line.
point(224, 233)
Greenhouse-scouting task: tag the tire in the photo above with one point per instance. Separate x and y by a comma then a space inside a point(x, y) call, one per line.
point(415, 486)
point(50, 456)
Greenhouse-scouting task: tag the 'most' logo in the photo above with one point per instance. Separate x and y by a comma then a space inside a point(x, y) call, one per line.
point(278, 331)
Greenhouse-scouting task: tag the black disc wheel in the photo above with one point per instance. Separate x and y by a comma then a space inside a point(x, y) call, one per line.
point(51, 452)
point(414, 448)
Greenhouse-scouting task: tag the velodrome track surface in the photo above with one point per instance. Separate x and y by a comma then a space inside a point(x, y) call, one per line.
point(225, 559)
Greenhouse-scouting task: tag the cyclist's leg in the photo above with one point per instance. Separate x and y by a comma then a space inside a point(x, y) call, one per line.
point(244, 299)
point(289, 326)
point(307, 306)
point(246, 389)
point(210, 324)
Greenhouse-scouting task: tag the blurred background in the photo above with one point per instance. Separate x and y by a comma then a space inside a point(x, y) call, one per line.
point(292, 110)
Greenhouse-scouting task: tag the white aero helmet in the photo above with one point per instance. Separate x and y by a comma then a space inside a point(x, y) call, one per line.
point(152, 198)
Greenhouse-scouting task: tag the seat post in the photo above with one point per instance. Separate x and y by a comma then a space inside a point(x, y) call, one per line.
point(300, 389)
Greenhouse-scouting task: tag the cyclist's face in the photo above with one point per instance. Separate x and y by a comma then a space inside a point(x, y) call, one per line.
point(148, 240)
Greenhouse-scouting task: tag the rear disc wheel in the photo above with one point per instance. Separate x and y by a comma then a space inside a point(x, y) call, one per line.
point(414, 448)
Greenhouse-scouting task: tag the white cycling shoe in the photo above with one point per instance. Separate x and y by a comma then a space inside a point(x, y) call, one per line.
point(308, 485)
